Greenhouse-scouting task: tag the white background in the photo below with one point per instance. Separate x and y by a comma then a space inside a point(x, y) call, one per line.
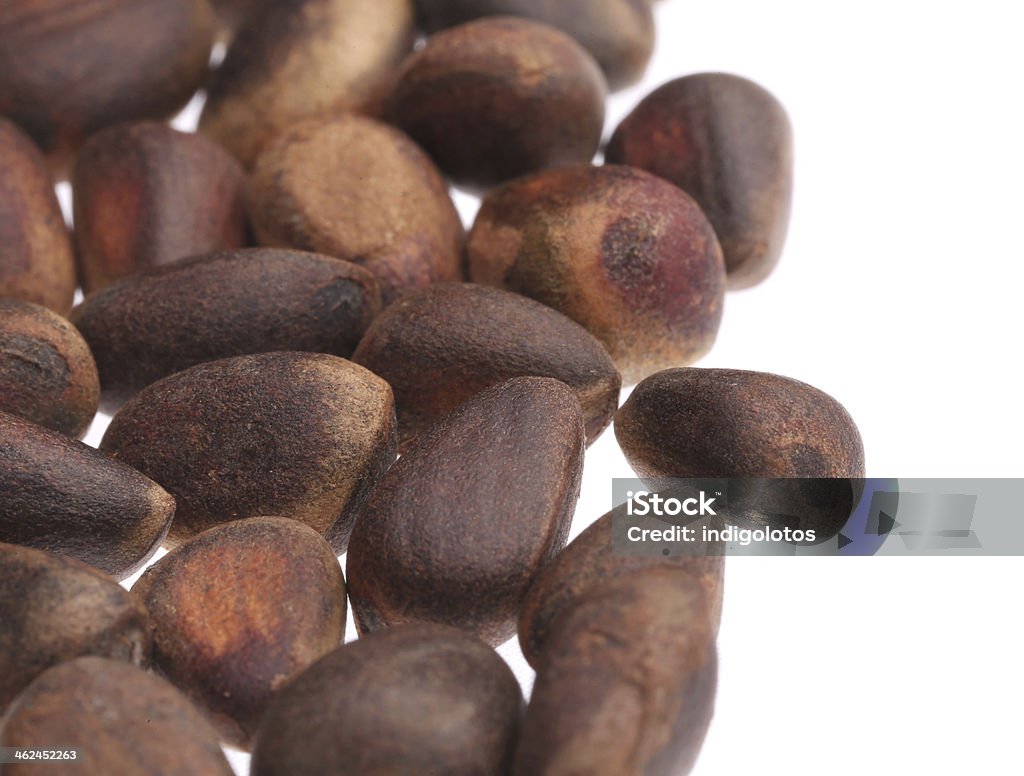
point(899, 294)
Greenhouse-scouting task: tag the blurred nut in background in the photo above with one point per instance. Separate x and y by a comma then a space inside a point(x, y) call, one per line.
point(501, 97)
point(71, 67)
point(146, 194)
point(297, 59)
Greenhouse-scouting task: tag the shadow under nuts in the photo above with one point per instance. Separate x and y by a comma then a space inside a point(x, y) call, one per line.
point(65, 497)
point(55, 609)
point(458, 528)
point(619, 34)
point(440, 346)
point(300, 435)
point(415, 699)
point(501, 97)
point(166, 319)
point(47, 374)
point(626, 682)
point(147, 194)
point(726, 142)
point(297, 59)
point(36, 259)
point(593, 558)
point(120, 719)
point(71, 67)
point(360, 190)
point(623, 253)
point(734, 423)
point(240, 609)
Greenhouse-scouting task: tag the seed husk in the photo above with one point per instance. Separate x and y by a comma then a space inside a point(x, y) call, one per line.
point(619, 34)
point(167, 319)
point(299, 435)
point(501, 97)
point(47, 374)
point(622, 252)
point(147, 194)
point(415, 699)
point(727, 142)
point(442, 345)
point(121, 720)
point(626, 682)
point(240, 609)
point(457, 529)
point(68, 69)
point(67, 498)
point(55, 609)
point(36, 259)
point(298, 59)
point(735, 423)
point(360, 190)
point(589, 561)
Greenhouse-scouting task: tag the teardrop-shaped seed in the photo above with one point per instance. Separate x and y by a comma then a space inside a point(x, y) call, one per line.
point(626, 682)
point(120, 719)
point(457, 529)
point(735, 423)
point(55, 609)
point(415, 699)
point(300, 435)
point(240, 609)
point(727, 143)
point(65, 497)
point(47, 374)
point(444, 344)
point(167, 319)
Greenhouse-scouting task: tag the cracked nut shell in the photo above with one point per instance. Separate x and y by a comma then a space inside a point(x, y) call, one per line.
point(55, 609)
point(444, 344)
point(167, 319)
point(458, 528)
point(121, 720)
point(239, 610)
point(726, 142)
point(360, 190)
point(47, 374)
point(622, 252)
point(147, 194)
point(415, 699)
point(501, 97)
point(70, 499)
point(299, 435)
point(735, 423)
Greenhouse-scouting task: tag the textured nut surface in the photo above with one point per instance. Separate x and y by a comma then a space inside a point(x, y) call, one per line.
point(300, 435)
point(240, 609)
point(625, 254)
point(500, 97)
point(727, 142)
point(64, 497)
point(147, 194)
point(619, 34)
point(120, 719)
point(71, 67)
point(167, 319)
point(36, 260)
point(626, 682)
point(592, 559)
point(735, 423)
point(55, 609)
point(298, 59)
point(357, 189)
point(440, 346)
point(415, 699)
point(458, 528)
point(47, 374)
